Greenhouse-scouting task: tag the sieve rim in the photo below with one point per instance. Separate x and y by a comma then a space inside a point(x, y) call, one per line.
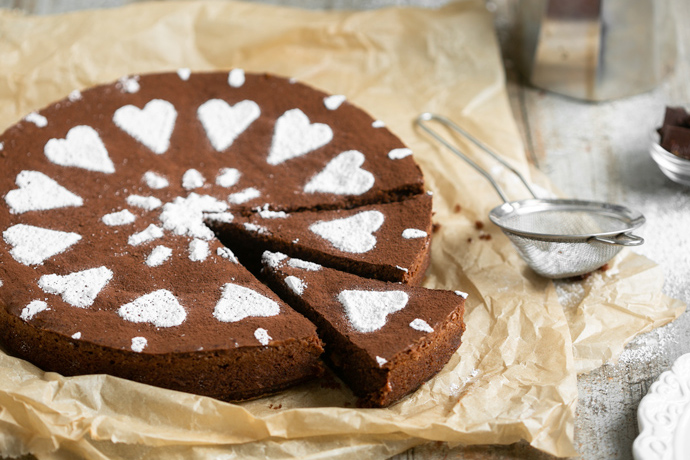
point(629, 218)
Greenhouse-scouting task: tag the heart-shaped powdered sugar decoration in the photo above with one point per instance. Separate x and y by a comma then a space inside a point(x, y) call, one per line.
point(160, 308)
point(152, 126)
point(32, 245)
point(81, 148)
point(38, 192)
point(294, 136)
point(223, 122)
point(239, 302)
point(352, 234)
point(342, 176)
point(79, 288)
point(367, 310)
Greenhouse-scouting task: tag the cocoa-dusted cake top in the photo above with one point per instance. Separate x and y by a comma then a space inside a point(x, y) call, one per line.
point(382, 319)
point(106, 192)
point(389, 240)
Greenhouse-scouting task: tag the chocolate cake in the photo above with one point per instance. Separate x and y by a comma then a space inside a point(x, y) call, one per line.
point(383, 339)
point(388, 241)
point(107, 264)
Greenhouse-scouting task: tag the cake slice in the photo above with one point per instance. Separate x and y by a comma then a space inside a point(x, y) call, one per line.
point(390, 241)
point(383, 339)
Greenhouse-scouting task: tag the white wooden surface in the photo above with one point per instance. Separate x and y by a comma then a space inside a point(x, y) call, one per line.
point(590, 151)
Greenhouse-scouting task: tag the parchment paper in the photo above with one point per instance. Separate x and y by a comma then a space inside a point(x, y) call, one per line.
point(513, 378)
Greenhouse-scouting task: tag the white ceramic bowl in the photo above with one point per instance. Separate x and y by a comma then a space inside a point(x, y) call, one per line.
point(674, 167)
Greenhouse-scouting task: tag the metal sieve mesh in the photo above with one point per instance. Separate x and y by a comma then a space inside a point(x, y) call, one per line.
point(562, 238)
point(557, 238)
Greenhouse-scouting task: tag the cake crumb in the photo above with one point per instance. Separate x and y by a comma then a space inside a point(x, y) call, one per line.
point(478, 224)
point(484, 236)
point(457, 208)
point(435, 227)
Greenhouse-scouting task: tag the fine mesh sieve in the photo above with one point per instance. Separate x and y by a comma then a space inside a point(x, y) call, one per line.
point(557, 238)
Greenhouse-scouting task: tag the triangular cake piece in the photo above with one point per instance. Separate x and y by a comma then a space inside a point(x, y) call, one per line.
point(390, 241)
point(383, 339)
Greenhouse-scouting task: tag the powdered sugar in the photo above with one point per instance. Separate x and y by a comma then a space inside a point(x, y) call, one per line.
point(381, 361)
point(78, 289)
point(184, 73)
point(148, 203)
point(223, 122)
point(343, 175)
point(646, 348)
point(224, 217)
point(378, 124)
point(464, 295)
point(192, 179)
point(295, 136)
point(152, 232)
point(226, 253)
point(139, 343)
point(255, 228)
point(158, 256)
point(38, 192)
point(34, 308)
point(236, 78)
point(76, 335)
point(411, 233)
point(37, 119)
point(239, 302)
point(570, 294)
point(198, 250)
point(152, 126)
point(185, 216)
point(227, 177)
point(266, 213)
point(81, 148)
point(32, 245)
point(262, 336)
point(304, 265)
point(272, 259)
point(129, 84)
point(160, 308)
point(245, 195)
point(295, 284)
point(402, 269)
point(352, 234)
point(367, 310)
point(155, 180)
point(398, 154)
point(74, 95)
point(123, 217)
point(421, 325)
point(334, 101)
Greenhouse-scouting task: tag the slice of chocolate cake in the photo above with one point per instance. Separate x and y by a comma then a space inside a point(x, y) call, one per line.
point(383, 339)
point(389, 241)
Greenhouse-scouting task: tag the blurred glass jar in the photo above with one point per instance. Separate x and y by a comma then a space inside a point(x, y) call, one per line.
point(596, 49)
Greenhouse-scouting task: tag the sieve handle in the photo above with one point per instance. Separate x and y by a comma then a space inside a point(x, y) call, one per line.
point(426, 116)
point(622, 239)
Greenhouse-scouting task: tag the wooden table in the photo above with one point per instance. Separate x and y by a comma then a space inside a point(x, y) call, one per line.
point(606, 144)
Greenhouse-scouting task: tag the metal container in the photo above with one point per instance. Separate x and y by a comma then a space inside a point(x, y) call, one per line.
point(596, 49)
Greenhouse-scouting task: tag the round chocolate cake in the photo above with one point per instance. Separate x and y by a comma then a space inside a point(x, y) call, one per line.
point(108, 260)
